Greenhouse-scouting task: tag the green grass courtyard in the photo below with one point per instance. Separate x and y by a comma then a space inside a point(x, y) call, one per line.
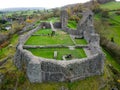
point(49, 53)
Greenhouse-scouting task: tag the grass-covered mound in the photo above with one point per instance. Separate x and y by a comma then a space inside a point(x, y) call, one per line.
point(49, 53)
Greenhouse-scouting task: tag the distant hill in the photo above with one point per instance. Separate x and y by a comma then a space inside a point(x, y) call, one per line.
point(104, 1)
point(111, 5)
point(21, 9)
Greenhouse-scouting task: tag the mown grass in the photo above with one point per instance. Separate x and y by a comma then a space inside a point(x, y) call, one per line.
point(43, 31)
point(59, 38)
point(111, 5)
point(81, 41)
point(72, 24)
point(49, 53)
point(53, 19)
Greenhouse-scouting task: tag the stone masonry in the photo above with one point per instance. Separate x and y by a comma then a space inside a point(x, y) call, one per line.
point(43, 70)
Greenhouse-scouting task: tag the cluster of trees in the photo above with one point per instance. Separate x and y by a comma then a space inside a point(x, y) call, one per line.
point(49, 13)
point(16, 27)
point(74, 13)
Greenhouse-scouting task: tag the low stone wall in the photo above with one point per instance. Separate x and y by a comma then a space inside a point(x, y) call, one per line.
point(57, 25)
point(45, 25)
point(54, 46)
point(72, 31)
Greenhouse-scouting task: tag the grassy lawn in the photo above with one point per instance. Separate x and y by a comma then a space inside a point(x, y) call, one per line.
point(81, 41)
point(59, 38)
point(43, 31)
point(111, 5)
point(72, 24)
point(53, 19)
point(49, 53)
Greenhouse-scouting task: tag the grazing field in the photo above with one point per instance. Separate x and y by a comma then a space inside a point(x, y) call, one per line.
point(111, 24)
point(49, 53)
point(111, 5)
point(59, 38)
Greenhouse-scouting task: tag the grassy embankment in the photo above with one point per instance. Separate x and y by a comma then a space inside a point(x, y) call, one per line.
point(109, 27)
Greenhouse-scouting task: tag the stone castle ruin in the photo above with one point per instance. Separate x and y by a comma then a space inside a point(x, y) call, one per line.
point(40, 69)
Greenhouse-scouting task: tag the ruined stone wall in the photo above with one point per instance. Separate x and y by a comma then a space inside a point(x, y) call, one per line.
point(64, 19)
point(42, 70)
point(71, 31)
point(57, 25)
point(71, 70)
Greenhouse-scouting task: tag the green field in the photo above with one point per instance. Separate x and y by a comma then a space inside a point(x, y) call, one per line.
point(110, 27)
point(43, 31)
point(111, 5)
point(53, 19)
point(60, 38)
point(49, 53)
